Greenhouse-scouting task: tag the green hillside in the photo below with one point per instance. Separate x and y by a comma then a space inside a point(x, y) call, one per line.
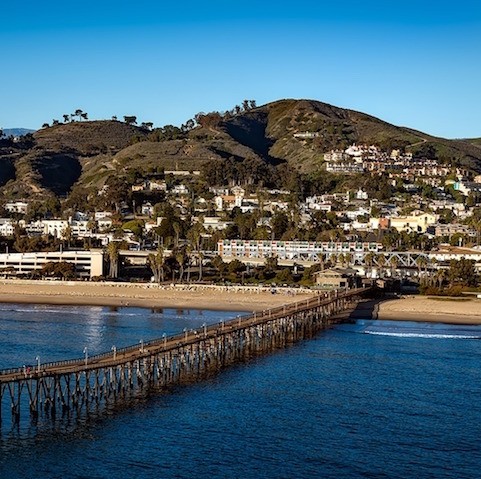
point(266, 138)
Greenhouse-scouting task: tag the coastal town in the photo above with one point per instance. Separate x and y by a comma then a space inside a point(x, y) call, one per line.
point(240, 240)
point(171, 226)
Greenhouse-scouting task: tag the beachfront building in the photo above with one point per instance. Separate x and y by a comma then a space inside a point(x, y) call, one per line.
point(337, 278)
point(294, 250)
point(87, 263)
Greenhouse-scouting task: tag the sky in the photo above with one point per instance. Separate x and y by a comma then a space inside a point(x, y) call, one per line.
point(412, 63)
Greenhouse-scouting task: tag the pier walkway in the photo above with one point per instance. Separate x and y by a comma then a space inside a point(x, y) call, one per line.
point(79, 384)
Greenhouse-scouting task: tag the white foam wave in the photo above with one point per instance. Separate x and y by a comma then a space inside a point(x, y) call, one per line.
point(424, 335)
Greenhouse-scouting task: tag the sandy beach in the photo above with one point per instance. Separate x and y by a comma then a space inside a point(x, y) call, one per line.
point(231, 298)
point(422, 308)
point(228, 298)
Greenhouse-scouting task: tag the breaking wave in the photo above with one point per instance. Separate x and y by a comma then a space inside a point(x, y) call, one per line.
point(410, 329)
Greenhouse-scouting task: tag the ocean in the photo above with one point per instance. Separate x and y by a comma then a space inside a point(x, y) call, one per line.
point(374, 399)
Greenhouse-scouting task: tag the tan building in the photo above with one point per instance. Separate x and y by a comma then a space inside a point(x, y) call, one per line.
point(336, 278)
point(417, 223)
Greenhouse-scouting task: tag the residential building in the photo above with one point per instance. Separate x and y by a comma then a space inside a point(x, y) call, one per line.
point(16, 207)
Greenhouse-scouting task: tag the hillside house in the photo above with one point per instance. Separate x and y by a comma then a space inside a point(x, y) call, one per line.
point(19, 207)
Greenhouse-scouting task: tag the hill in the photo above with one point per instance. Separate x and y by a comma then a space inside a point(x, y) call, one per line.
point(270, 131)
point(55, 160)
point(293, 134)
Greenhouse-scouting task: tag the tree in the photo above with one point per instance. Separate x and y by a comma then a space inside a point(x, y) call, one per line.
point(67, 234)
point(381, 262)
point(279, 225)
point(113, 251)
point(156, 263)
point(66, 118)
point(271, 263)
point(441, 276)
point(195, 237)
point(393, 264)
point(341, 259)
point(462, 272)
point(369, 262)
point(219, 265)
point(61, 269)
point(130, 120)
point(180, 254)
point(284, 276)
point(136, 226)
point(78, 113)
point(177, 229)
point(421, 263)
point(236, 266)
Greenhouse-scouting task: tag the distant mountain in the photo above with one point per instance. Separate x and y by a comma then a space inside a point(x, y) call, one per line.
point(291, 134)
point(16, 131)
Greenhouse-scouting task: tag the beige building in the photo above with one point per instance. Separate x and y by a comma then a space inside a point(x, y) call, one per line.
point(417, 223)
point(336, 278)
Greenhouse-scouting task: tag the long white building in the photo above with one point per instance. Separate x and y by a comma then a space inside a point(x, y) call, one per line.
point(87, 263)
point(301, 250)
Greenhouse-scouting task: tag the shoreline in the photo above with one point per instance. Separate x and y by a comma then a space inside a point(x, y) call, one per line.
point(426, 309)
point(228, 298)
point(208, 297)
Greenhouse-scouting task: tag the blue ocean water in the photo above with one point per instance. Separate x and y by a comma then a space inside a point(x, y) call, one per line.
point(368, 400)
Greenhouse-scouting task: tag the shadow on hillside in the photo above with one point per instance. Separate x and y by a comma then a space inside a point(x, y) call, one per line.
point(250, 131)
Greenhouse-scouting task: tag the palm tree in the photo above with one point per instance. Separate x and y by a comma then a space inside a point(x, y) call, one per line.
point(341, 259)
point(441, 276)
point(421, 262)
point(322, 259)
point(433, 263)
point(113, 250)
point(176, 227)
point(368, 262)
point(181, 258)
point(348, 258)
point(195, 236)
point(381, 262)
point(333, 259)
point(156, 263)
point(188, 260)
point(200, 257)
point(393, 264)
point(67, 234)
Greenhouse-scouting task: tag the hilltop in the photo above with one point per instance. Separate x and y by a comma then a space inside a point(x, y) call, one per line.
point(291, 134)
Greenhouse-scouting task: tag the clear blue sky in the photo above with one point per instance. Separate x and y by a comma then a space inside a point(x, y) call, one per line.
point(414, 63)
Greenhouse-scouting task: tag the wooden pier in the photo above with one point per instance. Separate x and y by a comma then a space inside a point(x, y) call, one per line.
point(81, 384)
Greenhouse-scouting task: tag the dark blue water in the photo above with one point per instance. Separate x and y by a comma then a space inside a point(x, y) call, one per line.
point(344, 405)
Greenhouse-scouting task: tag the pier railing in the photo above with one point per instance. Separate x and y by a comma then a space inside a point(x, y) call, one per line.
point(185, 337)
point(124, 373)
